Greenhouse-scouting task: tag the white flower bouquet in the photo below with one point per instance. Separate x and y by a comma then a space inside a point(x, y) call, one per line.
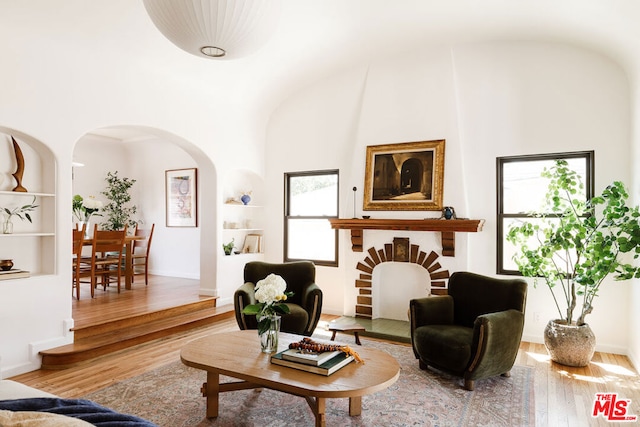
point(271, 295)
point(83, 208)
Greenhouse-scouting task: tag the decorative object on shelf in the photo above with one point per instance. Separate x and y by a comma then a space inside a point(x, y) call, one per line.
point(232, 201)
point(228, 247)
point(84, 209)
point(354, 202)
point(245, 198)
point(404, 177)
point(252, 244)
point(579, 243)
point(181, 197)
point(271, 295)
point(117, 212)
point(20, 167)
point(21, 212)
point(6, 264)
point(215, 29)
point(448, 212)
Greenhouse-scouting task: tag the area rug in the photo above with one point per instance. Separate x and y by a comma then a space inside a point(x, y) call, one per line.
point(170, 397)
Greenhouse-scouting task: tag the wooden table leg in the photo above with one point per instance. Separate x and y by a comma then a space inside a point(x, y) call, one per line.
point(211, 390)
point(321, 420)
point(318, 405)
point(128, 264)
point(355, 405)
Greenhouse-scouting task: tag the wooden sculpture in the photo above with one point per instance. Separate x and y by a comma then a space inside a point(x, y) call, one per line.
point(20, 168)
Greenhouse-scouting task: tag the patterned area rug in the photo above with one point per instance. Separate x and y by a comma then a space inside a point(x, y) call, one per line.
point(170, 396)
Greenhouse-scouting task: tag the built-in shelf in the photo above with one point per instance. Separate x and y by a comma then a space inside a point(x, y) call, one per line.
point(21, 193)
point(446, 228)
point(27, 234)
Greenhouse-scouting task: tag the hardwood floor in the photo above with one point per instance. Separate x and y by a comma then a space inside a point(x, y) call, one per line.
point(563, 395)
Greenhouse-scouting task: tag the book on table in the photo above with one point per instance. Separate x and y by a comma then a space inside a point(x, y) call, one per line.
point(14, 273)
point(309, 357)
point(327, 368)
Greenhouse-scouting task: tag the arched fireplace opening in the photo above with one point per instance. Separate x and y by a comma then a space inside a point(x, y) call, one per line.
point(400, 251)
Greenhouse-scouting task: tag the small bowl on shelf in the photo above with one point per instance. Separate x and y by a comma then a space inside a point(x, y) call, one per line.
point(6, 264)
point(366, 216)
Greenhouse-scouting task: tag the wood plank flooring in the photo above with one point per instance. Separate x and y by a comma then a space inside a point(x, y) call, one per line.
point(563, 395)
point(161, 293)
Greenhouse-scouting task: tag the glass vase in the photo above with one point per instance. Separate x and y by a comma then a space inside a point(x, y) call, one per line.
point(269, 338)
point(7, 226)
point(87, 235)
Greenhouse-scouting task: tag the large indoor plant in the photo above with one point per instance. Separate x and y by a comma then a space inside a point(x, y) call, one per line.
point(573, 245)
point(118, 212)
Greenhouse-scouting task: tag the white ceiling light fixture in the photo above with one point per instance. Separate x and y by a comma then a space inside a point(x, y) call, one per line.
point(216, 29)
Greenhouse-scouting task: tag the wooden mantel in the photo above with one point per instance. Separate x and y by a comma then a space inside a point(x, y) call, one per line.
point(447, 229)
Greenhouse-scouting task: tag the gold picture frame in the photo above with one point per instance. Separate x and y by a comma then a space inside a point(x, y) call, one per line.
point(407, 176)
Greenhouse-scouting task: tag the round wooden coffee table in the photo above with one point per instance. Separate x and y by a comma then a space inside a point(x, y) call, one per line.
point(238, 355)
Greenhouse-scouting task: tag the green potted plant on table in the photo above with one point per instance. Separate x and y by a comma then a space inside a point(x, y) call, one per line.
point(21, 212)
point(117, 211)
point(573, 246)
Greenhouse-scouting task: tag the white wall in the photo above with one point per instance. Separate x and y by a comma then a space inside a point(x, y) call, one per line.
point(87, 79)
point(486, 100)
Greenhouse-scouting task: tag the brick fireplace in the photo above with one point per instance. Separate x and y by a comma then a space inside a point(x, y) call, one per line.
point(398, 251)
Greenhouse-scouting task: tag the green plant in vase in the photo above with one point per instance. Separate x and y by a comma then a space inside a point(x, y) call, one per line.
point(228, 247)
point(573, 245)
point(21, 212)
point(117, 211)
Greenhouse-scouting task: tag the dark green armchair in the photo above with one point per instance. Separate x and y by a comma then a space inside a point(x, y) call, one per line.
point(473, 332)
point(305, 305)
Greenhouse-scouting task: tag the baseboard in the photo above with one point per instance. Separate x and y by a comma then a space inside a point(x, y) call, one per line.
point(603, 348)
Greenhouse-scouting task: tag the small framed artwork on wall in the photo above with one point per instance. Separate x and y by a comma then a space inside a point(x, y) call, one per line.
point(404, 177)
point(181, 193)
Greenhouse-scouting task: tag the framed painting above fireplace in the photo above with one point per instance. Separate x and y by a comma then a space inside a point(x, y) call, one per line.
point(407, 176)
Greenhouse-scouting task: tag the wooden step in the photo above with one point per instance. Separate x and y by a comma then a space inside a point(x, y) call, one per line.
point(123, 323)
point(101, 339)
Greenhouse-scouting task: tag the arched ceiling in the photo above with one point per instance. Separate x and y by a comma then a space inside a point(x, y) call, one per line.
point(314, 38)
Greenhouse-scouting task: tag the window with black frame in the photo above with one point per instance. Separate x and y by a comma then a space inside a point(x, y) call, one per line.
point(311, 199)
point(521, 190)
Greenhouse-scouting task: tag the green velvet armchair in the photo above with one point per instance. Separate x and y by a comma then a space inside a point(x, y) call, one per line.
point(305, 305)
point(473, 332)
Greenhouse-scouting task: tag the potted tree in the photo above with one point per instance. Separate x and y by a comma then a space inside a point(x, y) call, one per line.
point(117, 211)
point(573, 245)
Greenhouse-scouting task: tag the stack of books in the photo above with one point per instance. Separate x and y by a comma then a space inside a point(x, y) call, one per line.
point(14, 273)
point(324, 363)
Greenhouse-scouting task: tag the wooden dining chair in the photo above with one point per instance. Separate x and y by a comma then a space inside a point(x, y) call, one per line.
point(81, 265)
point(107, 252)
point(140, 252)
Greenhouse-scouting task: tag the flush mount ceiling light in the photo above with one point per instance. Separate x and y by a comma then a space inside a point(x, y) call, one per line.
point(215, 28)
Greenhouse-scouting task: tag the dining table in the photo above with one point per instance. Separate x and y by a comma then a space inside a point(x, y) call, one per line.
point(128, 264)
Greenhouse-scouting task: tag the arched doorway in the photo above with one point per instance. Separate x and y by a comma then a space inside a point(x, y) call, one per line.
point(145, 154)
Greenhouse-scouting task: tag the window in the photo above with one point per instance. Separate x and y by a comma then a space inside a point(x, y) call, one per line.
point(311, 198)
point(521, 191)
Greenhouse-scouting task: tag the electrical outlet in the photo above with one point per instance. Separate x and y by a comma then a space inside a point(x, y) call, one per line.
point(536, 317)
